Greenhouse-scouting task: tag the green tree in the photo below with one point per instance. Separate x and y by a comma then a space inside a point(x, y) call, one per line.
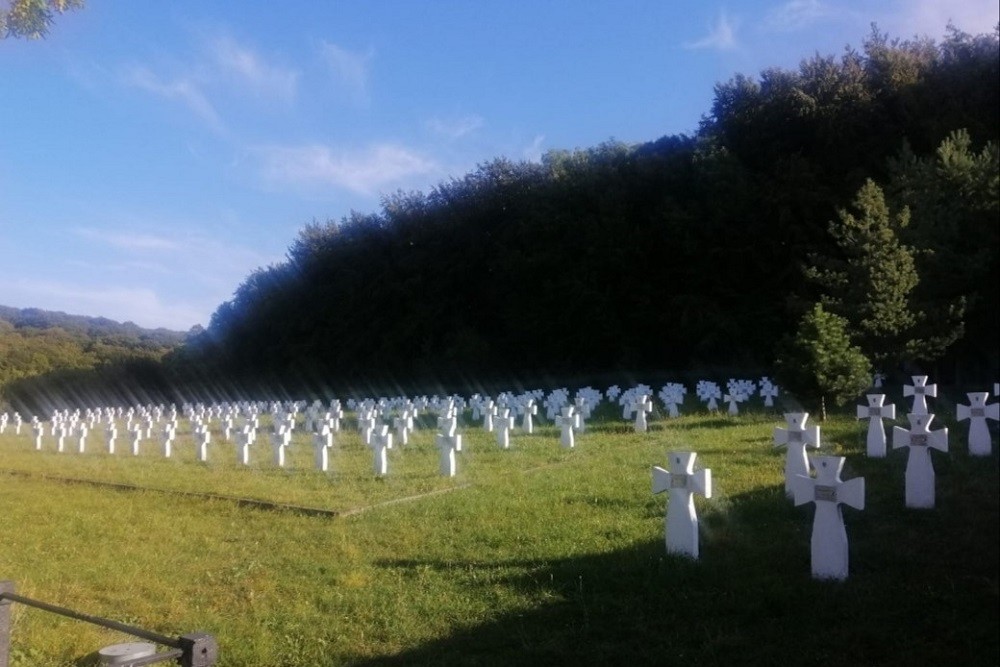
point(31, 19)
point(820, 362)
point(871, 280)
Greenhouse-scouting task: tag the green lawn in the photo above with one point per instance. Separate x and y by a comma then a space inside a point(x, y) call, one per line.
point(536, 555)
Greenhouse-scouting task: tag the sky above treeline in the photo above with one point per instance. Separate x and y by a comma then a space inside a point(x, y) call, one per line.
point(153, 154)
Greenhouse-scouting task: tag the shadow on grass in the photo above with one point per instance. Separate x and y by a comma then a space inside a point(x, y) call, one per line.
point(923, 590)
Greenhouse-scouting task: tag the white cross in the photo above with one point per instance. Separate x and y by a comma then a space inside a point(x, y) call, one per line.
point(641, 405)
point(322, 442)
point(529, 410)
point(503, 423)
point(448, 444)
point(829, 538)
point(567, 422)
point(381, 443)
point(769, 392)
point(980, 441)
point(683, 482)
point(919, 468)
point(919, 390)
point(874, 412)
point(795, 439)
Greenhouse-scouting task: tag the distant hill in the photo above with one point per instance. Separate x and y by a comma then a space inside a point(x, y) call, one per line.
point(92, 327)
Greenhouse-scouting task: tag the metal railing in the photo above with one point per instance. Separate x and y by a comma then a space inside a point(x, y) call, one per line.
point(191, 650)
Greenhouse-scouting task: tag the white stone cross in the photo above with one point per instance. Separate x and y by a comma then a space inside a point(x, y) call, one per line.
point(919, 467)
point(278, 444)
point(381, 443)
point(503, 424)
point(136, 431)
point(795, 439)
point(877, 379)
point(683, 482)
point(919, 390)
point(204, 437)
point(448, 443)
point(829, 537)
point(875, 412)
point(322, 442)
point(529, 410)
point(980, 441)
point(768, 392)
point(243, 442)
point(488, 409)
point(38, 429)
point(641, 405)
point(81, 433)
point(566, 422)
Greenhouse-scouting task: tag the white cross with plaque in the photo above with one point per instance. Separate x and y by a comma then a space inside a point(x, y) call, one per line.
point(829, 537)
point(919, 467)
point(682, 481)
point(875, 412)
point(529, 411)
point(795, 439)
point(980, 441)
point(919, 390)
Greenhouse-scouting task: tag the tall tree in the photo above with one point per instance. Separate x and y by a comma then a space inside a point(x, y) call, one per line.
point(870, 282)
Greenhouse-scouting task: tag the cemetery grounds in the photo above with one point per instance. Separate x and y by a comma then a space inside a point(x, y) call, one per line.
point(533, 555)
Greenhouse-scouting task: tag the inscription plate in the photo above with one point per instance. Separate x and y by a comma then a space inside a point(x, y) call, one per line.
point(978, 412)
point(827, 493)
point(678, 481)
point(919, 390)
point(918, 440)
point(795, 436)
point(874, 412)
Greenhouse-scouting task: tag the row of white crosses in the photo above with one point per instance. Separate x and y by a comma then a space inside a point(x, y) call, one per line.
point(5, 418)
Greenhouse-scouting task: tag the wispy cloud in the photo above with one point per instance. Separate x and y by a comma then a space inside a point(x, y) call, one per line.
point(796, 14)
point(185, 90)
point(136, 304)
point(908, 18)
point(247, 68)
point(721, 35)
point(128, 240)
point(455, 128)
point(349, 69)
point(533, 152)
point(365, 172)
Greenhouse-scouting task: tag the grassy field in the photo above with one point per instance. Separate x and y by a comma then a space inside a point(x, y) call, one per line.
point(535, 555)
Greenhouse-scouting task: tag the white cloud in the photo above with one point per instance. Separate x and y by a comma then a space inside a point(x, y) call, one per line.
point(721, 35)
point(365, 172)
point(140, 305)
point(185, 90)
point(247, 68)
point(533, 152)
point(128, 240)
point(349, 69)
point(796, 14)
point(455, 128)
point(910, 18)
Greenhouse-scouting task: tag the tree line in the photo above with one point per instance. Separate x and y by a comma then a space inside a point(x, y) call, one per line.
point(864, 184)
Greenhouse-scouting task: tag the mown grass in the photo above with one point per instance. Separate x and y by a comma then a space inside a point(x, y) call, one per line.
point(536, 555)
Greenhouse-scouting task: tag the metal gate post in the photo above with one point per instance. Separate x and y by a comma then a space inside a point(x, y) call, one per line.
point(5, 587)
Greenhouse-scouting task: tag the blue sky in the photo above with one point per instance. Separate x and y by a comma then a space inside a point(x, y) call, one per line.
point(153, 154)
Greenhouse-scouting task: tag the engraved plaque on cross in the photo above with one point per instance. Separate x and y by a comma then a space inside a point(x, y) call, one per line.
point(827, 493)
point(918, 440)
point(678, 481)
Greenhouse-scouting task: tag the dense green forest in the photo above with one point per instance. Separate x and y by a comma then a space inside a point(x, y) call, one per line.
point(867, 182)
point(40, 349)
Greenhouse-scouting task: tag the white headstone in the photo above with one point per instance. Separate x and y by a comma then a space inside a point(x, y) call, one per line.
point(875, 412)
point(919, 468)
point(682, 481)
point(977, 412)
point(448, 444)
point(381, 443)
point(829, 537)
point(795, 439)
point(567, 423)
point(919, 390)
